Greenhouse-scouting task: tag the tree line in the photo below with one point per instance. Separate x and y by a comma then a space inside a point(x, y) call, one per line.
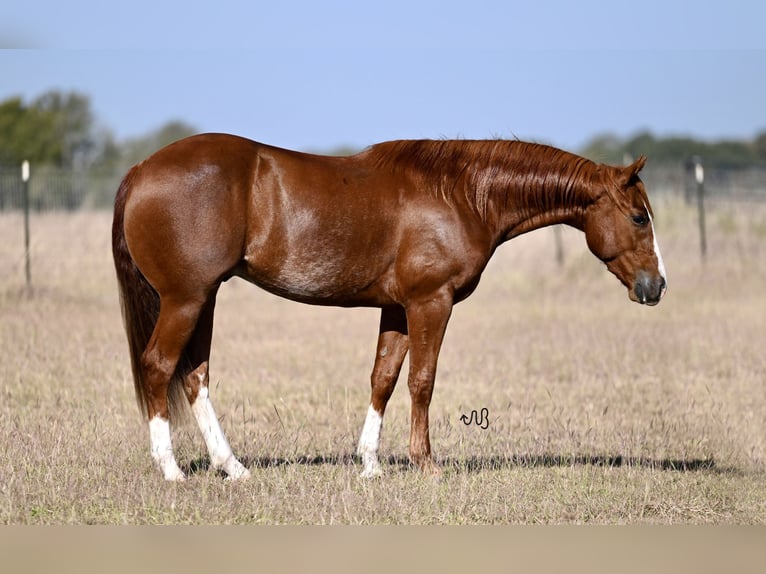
point(59, 129)
point(723, 154)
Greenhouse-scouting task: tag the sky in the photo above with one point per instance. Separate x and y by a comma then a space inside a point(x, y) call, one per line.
point(318, 75)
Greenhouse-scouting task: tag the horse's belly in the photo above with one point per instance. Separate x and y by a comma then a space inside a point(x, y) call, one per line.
point(320, 279)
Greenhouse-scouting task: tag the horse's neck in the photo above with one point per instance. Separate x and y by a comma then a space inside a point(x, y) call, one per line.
point(548, 201)
point(517, 221)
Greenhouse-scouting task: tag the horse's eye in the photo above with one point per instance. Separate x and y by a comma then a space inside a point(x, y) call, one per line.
point(640, 219)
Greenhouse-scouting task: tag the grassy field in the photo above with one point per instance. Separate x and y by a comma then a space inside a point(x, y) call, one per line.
point(601, 411)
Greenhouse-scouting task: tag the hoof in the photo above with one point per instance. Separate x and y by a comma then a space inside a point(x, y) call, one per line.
point(371, 472)
point(178, 476)
point(430, 469)
point(235, 471)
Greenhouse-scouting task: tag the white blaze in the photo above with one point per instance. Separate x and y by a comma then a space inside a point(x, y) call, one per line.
point(660, 263)
point(369, 443)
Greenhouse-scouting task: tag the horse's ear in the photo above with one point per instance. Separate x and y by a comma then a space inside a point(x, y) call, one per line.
point(631, 172)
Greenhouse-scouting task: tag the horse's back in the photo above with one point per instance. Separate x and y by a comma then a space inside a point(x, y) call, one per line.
point(318, 229)
point(306, 226)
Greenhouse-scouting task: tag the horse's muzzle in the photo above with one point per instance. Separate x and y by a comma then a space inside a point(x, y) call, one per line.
point(649, 290)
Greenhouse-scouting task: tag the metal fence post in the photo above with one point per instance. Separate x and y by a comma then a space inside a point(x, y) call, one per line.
point(559, 245)
point(699, 176)
point(25, 193)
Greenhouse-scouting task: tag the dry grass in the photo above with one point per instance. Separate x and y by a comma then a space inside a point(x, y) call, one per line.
point(602, 411)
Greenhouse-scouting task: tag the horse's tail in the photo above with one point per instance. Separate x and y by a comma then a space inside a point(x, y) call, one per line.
point(140, 305)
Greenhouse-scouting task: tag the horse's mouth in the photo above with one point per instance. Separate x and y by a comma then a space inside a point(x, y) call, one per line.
point(646, 293)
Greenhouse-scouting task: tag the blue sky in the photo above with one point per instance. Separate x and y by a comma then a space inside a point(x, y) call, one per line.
point(315, 75)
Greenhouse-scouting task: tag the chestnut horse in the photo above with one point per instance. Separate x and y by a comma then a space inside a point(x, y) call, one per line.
point(406, 226)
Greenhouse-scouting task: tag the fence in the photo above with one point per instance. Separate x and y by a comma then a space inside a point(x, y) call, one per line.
point(53, 188)
point(59, 189)
point(721, 184)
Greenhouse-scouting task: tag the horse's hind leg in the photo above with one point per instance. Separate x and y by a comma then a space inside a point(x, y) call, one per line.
point(197, 388)
point(175, 325)
point(391, 350)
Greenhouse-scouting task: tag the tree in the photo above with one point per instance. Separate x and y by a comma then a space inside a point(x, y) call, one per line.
point(70, 125)
point(137, 149)
point(641, 143)
point(11, 117)
point(605, 148)
point(760, 147)
point(56, 128)
point(728, 154)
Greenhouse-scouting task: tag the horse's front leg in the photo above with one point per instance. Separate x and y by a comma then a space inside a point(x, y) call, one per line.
point(426, 320)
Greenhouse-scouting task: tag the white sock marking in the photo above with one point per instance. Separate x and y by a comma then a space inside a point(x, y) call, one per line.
point(369, 443)
point(162, 449)
point(217, 445)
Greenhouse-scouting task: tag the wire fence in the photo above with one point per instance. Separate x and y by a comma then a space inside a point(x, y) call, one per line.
point(59, 190)
point(55, 189)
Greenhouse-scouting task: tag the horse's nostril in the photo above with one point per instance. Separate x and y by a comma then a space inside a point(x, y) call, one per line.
point(640, 292)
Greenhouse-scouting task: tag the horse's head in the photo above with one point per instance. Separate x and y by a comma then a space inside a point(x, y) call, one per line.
point(619, 231)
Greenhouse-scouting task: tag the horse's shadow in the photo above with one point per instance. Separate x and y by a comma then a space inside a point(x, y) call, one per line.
point(475, 464)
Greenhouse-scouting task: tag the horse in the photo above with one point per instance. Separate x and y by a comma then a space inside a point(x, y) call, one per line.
point(405, 226)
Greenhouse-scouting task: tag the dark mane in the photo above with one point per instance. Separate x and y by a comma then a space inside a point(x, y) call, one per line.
point(528, 176)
